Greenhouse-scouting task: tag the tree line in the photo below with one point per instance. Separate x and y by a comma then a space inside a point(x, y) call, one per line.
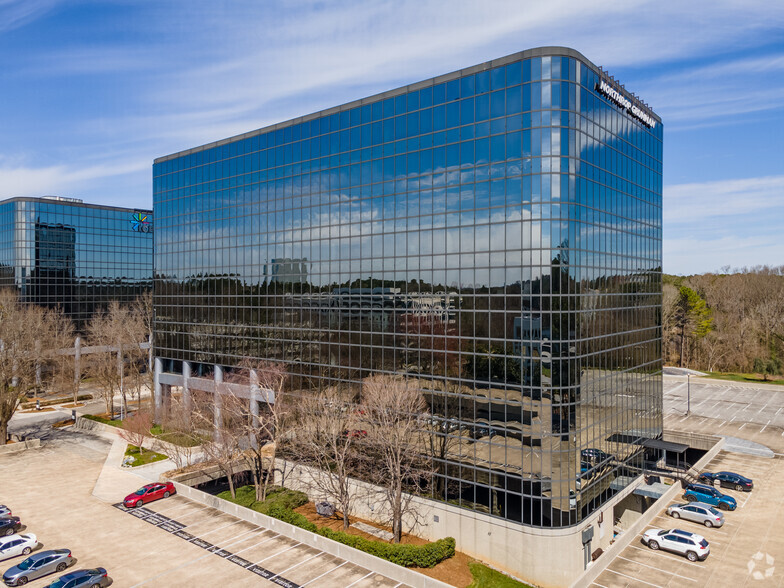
point(33, 352)
point(731, 321)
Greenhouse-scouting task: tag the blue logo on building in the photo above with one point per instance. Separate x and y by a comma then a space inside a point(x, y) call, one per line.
point(140, 224)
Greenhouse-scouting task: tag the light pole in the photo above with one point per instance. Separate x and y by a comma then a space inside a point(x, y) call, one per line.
point(688, 394)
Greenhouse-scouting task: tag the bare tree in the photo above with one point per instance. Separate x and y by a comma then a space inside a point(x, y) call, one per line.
point(221, 413)
point(116, 327)
point(396, 413)
point(140, 364)
point(179, 434)
point(328, 431)
point(136, 428)
point(26, 334)
point(262, 421)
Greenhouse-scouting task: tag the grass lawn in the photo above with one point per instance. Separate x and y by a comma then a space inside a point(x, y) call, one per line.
point(738, 377)
point(175, 437)
point(105, 421)
point(143, 458)
point(485, 577)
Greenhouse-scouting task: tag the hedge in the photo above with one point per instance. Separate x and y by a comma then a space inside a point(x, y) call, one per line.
point(276, 496)
point(105, 421)
point(410, 556)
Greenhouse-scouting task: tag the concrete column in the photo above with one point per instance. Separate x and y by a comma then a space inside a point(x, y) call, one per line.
point(77, 364)
point(37, 366)
point(157, 391)
point(217, 415)
point(255, 396)
point(187, 401)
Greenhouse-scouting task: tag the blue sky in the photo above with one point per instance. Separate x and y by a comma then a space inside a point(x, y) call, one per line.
point(92, 91)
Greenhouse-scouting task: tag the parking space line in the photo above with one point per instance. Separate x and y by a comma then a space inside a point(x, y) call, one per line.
point(182, 503)
point(223, 527)
point(166, 572)
point(324, 574)
point(633, 578)
point(277, 553)
point(236, 538)
point(296, 565)
point(275, 536)
point(657, 569)
point(209, 518)
point(668, 556)
point(370, 573)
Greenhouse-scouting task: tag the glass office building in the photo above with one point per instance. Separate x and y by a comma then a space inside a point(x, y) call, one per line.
point(492, 235)
point(62, 252)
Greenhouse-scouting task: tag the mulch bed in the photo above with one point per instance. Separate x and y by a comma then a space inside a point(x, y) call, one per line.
point(453, 571)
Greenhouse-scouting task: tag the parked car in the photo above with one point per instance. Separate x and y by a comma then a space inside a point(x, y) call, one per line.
point(9, 525)
point(691, 545)
point(594, 455)
point(149, 493)
point(14, 545)
point(38, 565)
point(728, 480)
point(82, 579)
point(709, 495)
point(5, 511)
point(698, 512)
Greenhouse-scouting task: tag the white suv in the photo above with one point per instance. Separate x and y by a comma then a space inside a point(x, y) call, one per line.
point(691, 545)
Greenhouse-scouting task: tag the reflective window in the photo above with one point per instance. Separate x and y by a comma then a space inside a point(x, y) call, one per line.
point(495, 239)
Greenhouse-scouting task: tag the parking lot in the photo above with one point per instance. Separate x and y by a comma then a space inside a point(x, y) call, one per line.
point(747, 551)
point(738, 409)
point(172, 542)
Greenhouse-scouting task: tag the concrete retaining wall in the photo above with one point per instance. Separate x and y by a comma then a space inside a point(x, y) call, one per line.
point(545, 557)
point(107, 431)
point(632, 533)
point(371, 562)
point(20, 446)
point(693, 440)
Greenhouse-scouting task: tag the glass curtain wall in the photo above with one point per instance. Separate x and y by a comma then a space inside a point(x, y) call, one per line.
point(494, 238)
point(78, 257)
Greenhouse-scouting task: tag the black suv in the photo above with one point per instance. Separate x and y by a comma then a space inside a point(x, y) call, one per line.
point(727, 480)
point(9, 525)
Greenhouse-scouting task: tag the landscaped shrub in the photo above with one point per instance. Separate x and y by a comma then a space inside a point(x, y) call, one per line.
point(103, 420)
point(293, 518)
point(281, 502)
point(411, 556)
point(276, 496)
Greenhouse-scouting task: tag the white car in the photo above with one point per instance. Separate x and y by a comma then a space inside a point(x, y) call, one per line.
point(13, 545)
point(5, 511)
point(691, 545)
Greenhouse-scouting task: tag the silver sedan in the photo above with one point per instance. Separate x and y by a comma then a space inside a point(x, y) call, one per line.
point(698, 512)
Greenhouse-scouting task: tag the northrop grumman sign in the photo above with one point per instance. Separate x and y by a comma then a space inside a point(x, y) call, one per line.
point(607, 90)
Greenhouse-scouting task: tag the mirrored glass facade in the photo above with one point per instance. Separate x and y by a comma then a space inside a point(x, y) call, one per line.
point(62, 252)
point(494, 235)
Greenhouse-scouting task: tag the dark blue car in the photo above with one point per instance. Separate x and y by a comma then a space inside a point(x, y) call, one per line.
point(728, 480)
point(709, 495)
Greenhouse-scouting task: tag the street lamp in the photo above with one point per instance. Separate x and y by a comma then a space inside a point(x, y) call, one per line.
point(688, 394)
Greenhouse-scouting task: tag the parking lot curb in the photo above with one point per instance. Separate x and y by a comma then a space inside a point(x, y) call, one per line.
point(625, 539)
point(20, 446)
point(355, 556)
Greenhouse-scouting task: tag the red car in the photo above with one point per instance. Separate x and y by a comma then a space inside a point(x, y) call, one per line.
point(149, 493)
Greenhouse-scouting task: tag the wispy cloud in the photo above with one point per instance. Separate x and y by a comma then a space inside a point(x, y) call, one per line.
point(21, 180)
point(17, 13)
point(730, 222)
point(724, 198)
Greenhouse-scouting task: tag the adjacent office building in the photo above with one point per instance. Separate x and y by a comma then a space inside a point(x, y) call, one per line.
point(493, 235)
point(62, 252)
